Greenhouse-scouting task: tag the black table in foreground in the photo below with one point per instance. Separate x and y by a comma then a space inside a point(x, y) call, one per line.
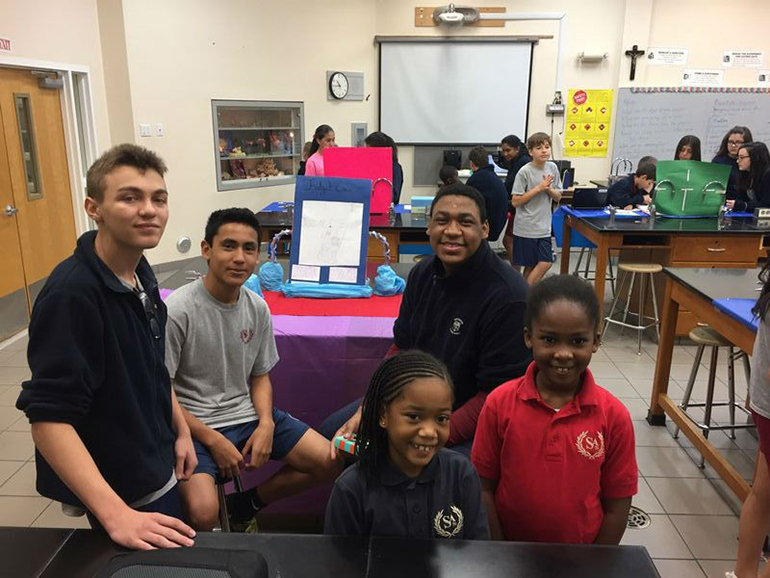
point(48, 553)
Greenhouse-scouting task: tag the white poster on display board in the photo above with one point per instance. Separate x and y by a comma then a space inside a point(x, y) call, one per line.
point(670, 56)
point(703, 77)
point(743, 58)
point(763, 79)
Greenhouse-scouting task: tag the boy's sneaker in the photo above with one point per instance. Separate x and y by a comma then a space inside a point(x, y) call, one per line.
point(242, 512)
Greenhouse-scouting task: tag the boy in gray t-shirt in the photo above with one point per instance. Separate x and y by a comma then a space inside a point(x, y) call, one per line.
point(220, 349)
point(537, 184)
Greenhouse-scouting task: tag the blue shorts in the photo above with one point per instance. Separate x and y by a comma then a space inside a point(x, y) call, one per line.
point(529, 252)
point(288, 431)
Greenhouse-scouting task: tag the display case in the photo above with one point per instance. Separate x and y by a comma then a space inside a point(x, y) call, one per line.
point(257, 143)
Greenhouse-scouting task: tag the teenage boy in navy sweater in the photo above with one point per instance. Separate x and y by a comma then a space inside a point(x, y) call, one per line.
point(491, 187)
point(109, 434)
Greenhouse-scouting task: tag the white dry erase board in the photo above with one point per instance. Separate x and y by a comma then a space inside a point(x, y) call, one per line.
point(650, 121)
point(454, 92)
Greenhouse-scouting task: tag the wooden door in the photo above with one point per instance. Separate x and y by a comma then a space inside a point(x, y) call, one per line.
point(34, 163)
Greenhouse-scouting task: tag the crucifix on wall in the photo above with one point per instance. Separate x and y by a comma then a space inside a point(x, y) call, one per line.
point(634, 53)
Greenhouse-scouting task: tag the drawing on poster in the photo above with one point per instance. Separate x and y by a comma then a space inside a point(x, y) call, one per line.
point(331, 233)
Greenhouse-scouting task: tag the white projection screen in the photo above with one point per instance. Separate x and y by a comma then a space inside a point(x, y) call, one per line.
point(454, 92)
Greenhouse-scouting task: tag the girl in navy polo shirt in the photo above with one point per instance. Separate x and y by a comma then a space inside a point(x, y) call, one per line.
point(555, 452)
point(404, 483)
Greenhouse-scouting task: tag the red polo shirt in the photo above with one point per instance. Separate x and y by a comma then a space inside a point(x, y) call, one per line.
point(554, 467)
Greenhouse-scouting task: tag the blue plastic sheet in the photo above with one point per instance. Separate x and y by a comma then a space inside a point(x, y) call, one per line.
point(326, 290)
point(253, 284)
point(271, 276)
point(387, 283)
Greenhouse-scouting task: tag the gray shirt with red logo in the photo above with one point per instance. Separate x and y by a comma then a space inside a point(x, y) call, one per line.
point(213, 350)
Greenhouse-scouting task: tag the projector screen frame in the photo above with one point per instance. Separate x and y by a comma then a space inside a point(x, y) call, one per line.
point(379, 40)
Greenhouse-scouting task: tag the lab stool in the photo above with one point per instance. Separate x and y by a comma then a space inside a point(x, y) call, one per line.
point(224, 519)
point(704, 336)
point(631, 270)
point(586, 273)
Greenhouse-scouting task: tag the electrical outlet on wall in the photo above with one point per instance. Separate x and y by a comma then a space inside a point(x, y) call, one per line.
point(160, 129)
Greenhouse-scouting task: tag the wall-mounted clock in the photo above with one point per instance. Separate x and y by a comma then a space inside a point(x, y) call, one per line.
point(339, 85)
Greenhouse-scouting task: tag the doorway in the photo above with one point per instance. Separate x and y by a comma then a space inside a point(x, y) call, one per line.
point(37, 224)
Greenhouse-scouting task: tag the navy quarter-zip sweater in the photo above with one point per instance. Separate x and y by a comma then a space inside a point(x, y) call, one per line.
point(97, 366)
point(472, 320)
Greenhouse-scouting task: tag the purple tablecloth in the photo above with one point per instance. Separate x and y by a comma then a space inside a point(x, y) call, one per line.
point(326, 362)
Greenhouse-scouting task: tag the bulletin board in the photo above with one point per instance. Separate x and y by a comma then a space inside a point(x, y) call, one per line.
point(331, 230)
point(587, 125)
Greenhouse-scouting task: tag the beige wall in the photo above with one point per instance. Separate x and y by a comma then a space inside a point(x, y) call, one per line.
point(64, 31)
point(172, 57)
point(244, 49)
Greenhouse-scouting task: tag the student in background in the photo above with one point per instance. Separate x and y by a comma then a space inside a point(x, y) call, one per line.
point(514, 156)
point(727, 154)
point(754, 188)
point(634, 189)
point(404, 483)
point(305, 156)
point(688, 149)
point(755, 514)
point(448, 175)
point(535, 187)
point(323, 138)
point(380, 139)
point(554, 451)
point(491, 187)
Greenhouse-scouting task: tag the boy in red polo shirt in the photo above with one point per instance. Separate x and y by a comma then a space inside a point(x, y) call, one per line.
point(554, 451)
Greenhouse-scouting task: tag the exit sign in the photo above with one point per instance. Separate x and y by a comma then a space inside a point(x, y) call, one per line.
point(5, 44)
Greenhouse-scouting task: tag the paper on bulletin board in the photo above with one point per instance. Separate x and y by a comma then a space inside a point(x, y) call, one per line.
point(587, 130)
point(763, 79)
point(670, 56)
point(743, 58)
point(331, 234)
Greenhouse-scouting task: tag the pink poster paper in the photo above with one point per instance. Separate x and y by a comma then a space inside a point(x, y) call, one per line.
point(364, 163)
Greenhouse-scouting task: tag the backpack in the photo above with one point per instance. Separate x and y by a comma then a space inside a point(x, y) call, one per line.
point(186, 563)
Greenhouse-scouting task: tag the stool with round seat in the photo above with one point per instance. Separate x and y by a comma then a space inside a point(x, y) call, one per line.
point(645, 271)
point(705, 336)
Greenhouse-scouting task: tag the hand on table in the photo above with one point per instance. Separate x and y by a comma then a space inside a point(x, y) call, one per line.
point(148, 530)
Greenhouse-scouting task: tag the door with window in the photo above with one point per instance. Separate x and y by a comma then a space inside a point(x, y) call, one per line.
point(37, 226)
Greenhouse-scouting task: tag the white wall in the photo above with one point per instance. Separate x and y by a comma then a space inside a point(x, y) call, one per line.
point(184, 53)
point(65, 31)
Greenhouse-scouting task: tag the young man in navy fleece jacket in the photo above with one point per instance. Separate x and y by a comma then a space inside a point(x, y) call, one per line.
point(109, 434)
point(465, 306)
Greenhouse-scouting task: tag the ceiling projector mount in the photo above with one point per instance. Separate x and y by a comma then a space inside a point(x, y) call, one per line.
point(455, 15)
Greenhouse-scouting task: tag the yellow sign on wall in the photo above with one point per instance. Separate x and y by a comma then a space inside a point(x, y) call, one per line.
point(587, 123)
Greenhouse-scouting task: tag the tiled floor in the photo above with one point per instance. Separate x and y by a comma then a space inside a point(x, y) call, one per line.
point(694, 525)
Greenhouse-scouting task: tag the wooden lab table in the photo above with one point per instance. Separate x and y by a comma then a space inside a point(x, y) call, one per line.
point(697, 290)
point(735, 243)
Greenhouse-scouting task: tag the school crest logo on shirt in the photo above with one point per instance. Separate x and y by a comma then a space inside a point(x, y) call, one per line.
point(449, 525)
point(247, 335)
point(457, 324)
point(590, 447)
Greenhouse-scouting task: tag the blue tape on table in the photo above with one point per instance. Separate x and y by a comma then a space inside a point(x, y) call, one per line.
point(402, 209)
point(600, 213)
point(276, 207)
point(740, 310)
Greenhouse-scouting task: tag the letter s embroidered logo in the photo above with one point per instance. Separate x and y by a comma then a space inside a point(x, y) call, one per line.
point(590, 447)
point(450, 525)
